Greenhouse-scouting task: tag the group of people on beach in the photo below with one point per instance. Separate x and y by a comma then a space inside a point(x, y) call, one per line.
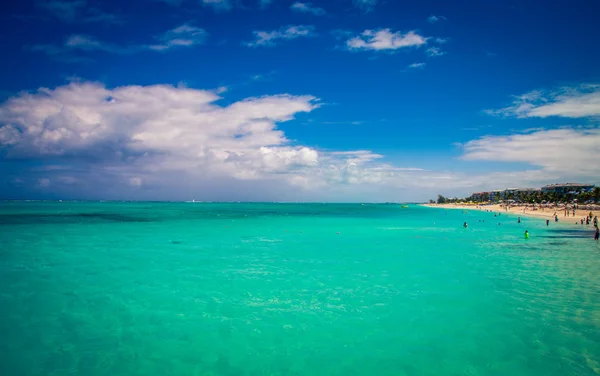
point(590, 218)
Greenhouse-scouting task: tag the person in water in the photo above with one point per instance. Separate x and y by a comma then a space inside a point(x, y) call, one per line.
point(596, 221)
point(526, 234)
point(547, 222)
point(465, 225)
point(556, 218)
point(597, 234)
point(519, 220)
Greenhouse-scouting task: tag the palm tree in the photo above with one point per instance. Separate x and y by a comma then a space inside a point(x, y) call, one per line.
point(596, 194)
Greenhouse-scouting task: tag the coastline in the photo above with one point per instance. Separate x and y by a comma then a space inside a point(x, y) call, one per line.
point(542, 213)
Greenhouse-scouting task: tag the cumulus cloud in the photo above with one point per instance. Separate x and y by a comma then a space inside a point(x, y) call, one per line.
point(271, 38)
point(155, 128)
point(562, 152)
point(571, 102)
point(385, 39)
point(145, 137)
point(307, 8)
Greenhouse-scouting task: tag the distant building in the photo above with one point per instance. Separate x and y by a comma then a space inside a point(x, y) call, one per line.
point(509, 193)
point(572, 188)
point(496, 195)
point(520, 193)
point(480, 196)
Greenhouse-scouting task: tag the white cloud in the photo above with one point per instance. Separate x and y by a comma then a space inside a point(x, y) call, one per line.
point(365, 5)
point(271, 38)
point(416, 65)
point(434, 51)
point(307, 8)
point(156, 126)
point(571, 102)
point(434, 18)
point(185, 35)
point(563, 152)
point(218, 5)
point(385, 39)
point(163, 136)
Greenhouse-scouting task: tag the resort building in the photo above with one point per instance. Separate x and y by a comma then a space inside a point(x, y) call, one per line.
point(477, 196)
point(572, 188)
point(517, 193)
point(496, 195)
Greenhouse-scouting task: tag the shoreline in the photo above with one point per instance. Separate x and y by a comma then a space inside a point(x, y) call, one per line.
point(543, 213)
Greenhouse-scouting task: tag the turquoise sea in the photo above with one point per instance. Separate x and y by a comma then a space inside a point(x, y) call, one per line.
point(149, 289)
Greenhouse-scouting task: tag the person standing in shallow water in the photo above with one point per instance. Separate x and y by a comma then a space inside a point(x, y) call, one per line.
point(547, 222)
point(526, 234)
point(597, 234)
point(519, 220)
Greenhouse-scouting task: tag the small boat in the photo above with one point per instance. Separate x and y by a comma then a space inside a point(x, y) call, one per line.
point(404, 206)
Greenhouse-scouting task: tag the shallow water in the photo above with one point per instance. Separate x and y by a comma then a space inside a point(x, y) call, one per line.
point(273, 289)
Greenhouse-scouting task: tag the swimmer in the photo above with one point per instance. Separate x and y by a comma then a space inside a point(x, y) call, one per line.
point(547, 222)
point(465, 225)
point(526, 234)
point(519, 220)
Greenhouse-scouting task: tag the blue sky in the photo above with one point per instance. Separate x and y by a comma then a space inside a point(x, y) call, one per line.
point(341, 100)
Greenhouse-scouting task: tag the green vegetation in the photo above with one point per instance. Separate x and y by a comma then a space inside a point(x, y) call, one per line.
point(532, 197)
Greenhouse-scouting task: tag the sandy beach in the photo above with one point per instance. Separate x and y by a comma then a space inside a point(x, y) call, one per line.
point(542, 213)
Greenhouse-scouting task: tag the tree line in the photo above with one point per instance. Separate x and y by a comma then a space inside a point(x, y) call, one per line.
point(530, 198)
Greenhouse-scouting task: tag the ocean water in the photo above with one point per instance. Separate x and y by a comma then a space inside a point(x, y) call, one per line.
point(292, 289)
